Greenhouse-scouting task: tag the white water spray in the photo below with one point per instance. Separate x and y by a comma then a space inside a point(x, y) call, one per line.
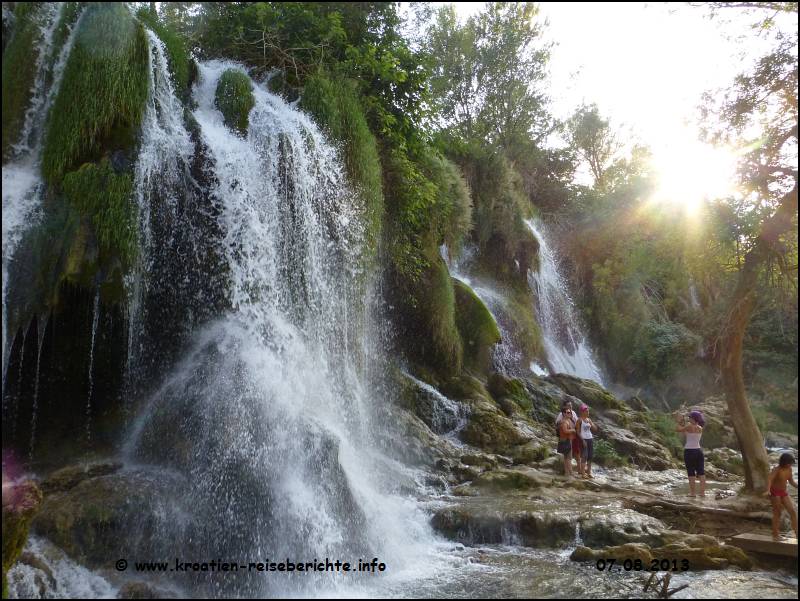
point(564, 342)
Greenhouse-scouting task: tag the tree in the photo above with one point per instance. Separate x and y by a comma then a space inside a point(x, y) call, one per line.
point(759, 113)
point(487, 74)
point(595, 142)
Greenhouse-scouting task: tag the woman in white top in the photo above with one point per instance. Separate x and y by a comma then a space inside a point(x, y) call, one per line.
point(692, 452)
point(585, 428)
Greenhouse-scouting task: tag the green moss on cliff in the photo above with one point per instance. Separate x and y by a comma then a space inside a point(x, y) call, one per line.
point(180, 62)
point(103, 92)
point(335, 106)
point(105, 198)
point(234, 98)
point(477, 327)
point(19, 71)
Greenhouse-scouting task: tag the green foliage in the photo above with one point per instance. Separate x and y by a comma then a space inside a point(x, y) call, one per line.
point(664, 348)
point(335, 105)
point(477, 326)
point(500, 207)
point(234, 98)
point(486, 71)
point(427, 318)
point(357, 40)
point(663, 425)
point(177, 53)
point(103, 93)
point(19, 70)
point(606, 455)
point(105, 198)
point(594, 139)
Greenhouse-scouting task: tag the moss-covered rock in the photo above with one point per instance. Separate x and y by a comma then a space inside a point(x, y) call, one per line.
point(501, 387)
point(105, 197)
point(181, 65)
point(511, 479)
point(335, 105)
point(113, 515)
point(709, 557)
point(234, 99)
point(19, 69)
point(530, 452)
point(427, 321)
point(20, 504)
point(629, 551)
point(489, 429)
point(477, 327)
point(589, 391)
point(103, 92)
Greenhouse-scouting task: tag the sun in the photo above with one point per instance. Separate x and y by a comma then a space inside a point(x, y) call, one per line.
point(690, 172)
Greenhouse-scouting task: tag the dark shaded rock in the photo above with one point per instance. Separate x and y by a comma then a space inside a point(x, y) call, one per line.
point(125, 514)
point(72, 475)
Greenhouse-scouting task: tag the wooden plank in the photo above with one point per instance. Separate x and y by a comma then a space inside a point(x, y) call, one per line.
point(761, 543)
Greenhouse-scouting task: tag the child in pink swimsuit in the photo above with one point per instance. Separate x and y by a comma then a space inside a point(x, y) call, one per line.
point(778, 494)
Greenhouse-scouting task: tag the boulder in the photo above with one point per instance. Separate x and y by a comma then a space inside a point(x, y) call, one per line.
point(489, 429)
point(72, 475)
point(115, 515)
point(588, 391)
point(21, 502)
point(643, 453)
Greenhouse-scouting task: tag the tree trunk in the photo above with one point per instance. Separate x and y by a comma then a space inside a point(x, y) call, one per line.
point(751, 443)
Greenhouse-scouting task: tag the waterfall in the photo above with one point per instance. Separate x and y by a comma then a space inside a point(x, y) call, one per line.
point(268, 412)
point(565, 344)
point(95, 319)
point(22, 182)
point(160, 178)
point(40, 331)
point(506, 357)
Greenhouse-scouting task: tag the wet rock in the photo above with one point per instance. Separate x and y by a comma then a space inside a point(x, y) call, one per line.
point(115, 515)
point(488, 429)
point(546, 520)
point(530, 452)
point(709, 557)
point(31, 560)
point(644, 453)
point(511, 479)
point(413, 441)
point(21, 502)
point(620, 553)
point(479, 460)
point(72, 475)
point(588, 391)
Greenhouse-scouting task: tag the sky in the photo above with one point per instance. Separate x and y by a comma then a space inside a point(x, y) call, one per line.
point(646, 66)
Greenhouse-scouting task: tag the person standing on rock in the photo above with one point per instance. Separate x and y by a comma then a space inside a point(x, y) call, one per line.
point(566, 436)
point(585, 428)
point(776, 485)
point(692, 452)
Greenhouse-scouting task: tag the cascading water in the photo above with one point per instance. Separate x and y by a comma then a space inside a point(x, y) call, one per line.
point(41, 328)
point(268, 414)
point(566, 346)
point(22, 183)
point(506, 357)
point(95, 319)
